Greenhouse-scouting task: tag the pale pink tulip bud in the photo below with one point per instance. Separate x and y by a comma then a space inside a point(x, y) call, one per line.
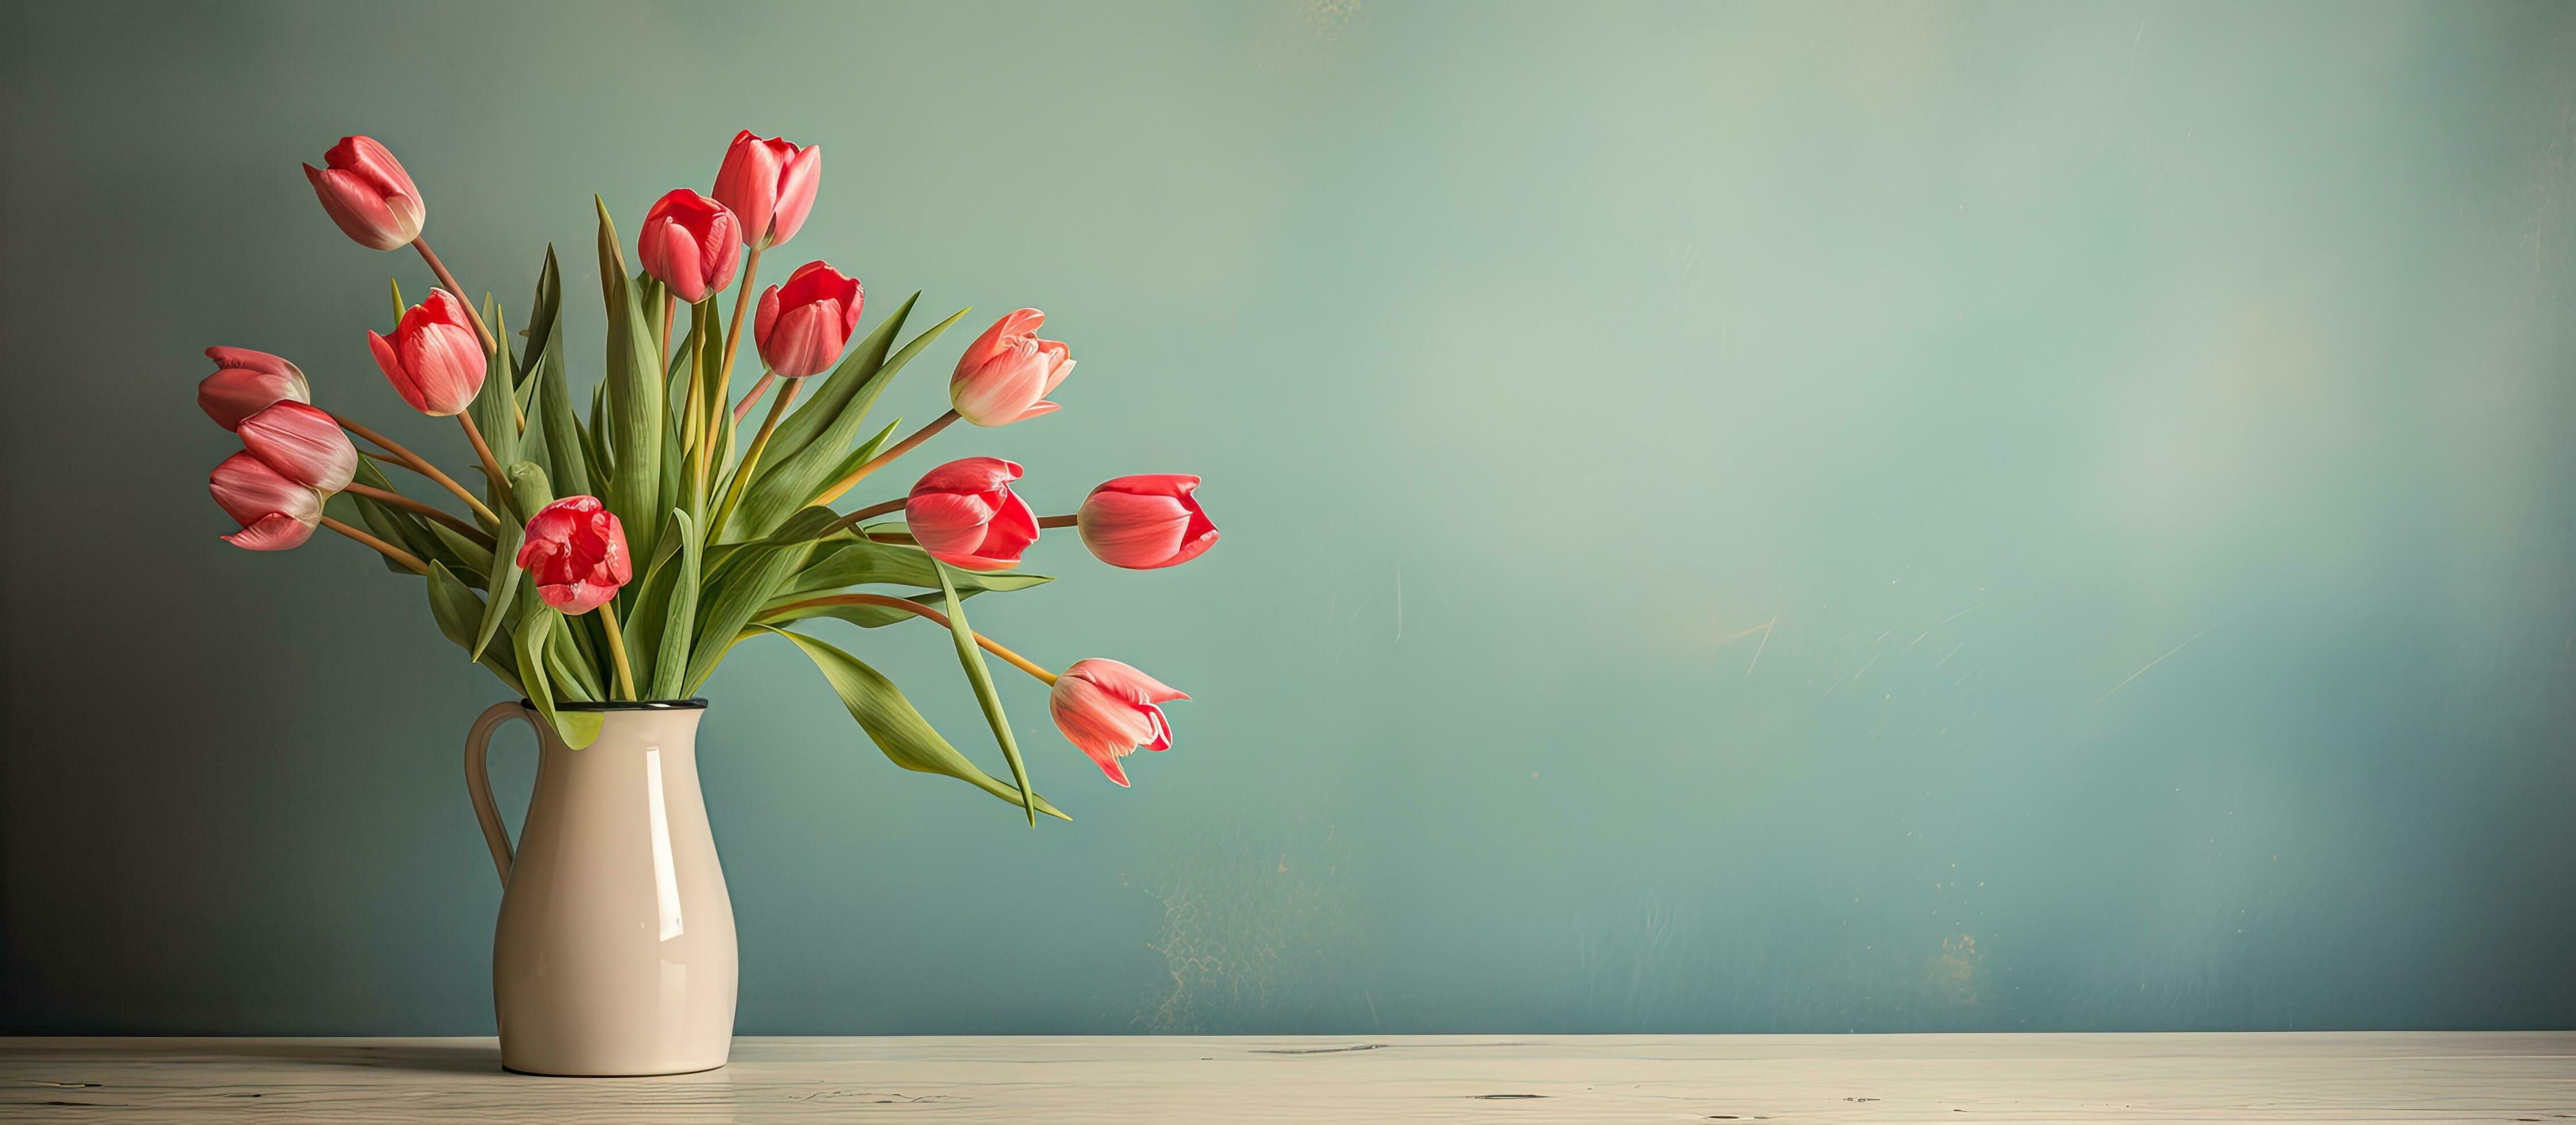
point(803, 325)
point(965, 514)
point(303, 443)
point(576, 554)
point(1146, 521)
point(769, 185)
point(366, 191)
point(247, 382)
point(1006, 374)
point(689, 243)
point(434, 359)
point(275, 513)
point(1107, 710)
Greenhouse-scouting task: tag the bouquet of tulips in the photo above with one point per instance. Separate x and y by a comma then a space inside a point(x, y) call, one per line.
point(536, 576)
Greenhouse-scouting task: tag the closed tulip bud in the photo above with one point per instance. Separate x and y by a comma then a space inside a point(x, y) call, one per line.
point(433, 359)
point(803, 325)
point(304, 444)
point(275, 513)
point(769, 185)
point(366, 191)
point(576, 555)
point(247, 382)
point(1146, 521)
point(1107, 710)
point(1006, 374)
point(690, 244)
point(965, 514)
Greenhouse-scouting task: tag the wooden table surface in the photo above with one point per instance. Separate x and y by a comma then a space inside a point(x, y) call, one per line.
point(2494, 1076)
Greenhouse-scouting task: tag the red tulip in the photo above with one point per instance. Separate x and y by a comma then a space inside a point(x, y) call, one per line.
point(576, 554)
point(1107, 709)
point(803, 325)
point(434, 359)
point(690, 244)
point(247, 382)
point(770, 185)
point(303, 444)
point(274, 513)
point(965, 514)
point(1144, 522)
point(1006, 374)
point(367, 192)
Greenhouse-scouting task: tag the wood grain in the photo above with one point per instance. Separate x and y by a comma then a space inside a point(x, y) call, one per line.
point(2496, 1076)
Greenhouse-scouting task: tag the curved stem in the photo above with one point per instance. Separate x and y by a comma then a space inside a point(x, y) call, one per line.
point(757, 389)
point(447, 281)
point(617, 648)
point(874, 463)
point(927, 614)
point(407, 503)
point(418, 464)
point(751, 458)
point(733, 335)
point(491, 468)
point(1060, 521)
point(410, 561)
point(852, 520)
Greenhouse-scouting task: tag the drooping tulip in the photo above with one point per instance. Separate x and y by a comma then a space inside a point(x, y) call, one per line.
point(1107, 710)
point(433, 359)
point(576, 554)
point(689, 243)
point(1006, 374)
point(803, 325)
point(965, 514)
point(1146, 521)
point(275, 513)
point(246, 382)
point(303, 443)
point(366, 191)
point(769, 185)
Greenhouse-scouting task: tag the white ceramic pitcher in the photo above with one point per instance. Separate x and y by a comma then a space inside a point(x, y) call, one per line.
point(615, 950)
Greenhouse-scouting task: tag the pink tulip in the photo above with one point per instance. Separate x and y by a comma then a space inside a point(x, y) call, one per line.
point(769, 185)
point(1107, 709)
point(275, 513)
point(803, 325)
point(690, 244)
point(303, 444)
point(247, 382)
point(965, 514)
point(434, 359)
point(576, 554)
point(1144, 522)
point(1006, 374)
point(367, 192)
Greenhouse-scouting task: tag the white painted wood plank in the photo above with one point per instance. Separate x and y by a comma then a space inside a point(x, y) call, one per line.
point(1882, 1078)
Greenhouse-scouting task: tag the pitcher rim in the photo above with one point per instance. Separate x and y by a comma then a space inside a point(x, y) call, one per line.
point(698, 703)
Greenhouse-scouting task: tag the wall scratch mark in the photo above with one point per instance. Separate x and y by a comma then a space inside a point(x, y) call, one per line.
point(2115, 688)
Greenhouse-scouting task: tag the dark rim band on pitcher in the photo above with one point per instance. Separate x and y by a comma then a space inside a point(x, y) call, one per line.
point(697, 704)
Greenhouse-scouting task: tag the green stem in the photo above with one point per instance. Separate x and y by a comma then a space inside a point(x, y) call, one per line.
point(751, 458)
point(447, 281)
point(617, 648)
point(900, 448)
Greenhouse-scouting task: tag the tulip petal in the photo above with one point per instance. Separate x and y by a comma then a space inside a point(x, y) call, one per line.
point(274, 532)
point(303, 444)
point(797, 183)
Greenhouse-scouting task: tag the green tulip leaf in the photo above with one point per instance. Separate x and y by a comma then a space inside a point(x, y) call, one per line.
point(971, 657)
point(907, 739)
point(456, 610)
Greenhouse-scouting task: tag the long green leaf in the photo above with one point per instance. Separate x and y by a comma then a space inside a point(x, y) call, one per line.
point(865, 562)
point(457, 609)
point(634, 382)
point(863, 616)
point(679, 615)
point(495, 408)
point(567, 458)
point(891, 722)
point(528, 489)
point(578, 729)
point(972, 658)
point(544, 310)
point(792, 484)
point(835, 390)
point(737, 588)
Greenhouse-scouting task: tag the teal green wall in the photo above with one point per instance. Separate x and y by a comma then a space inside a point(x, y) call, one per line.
point(1737, 517)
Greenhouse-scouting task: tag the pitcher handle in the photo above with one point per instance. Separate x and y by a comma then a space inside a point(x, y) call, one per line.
point(478, 781)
